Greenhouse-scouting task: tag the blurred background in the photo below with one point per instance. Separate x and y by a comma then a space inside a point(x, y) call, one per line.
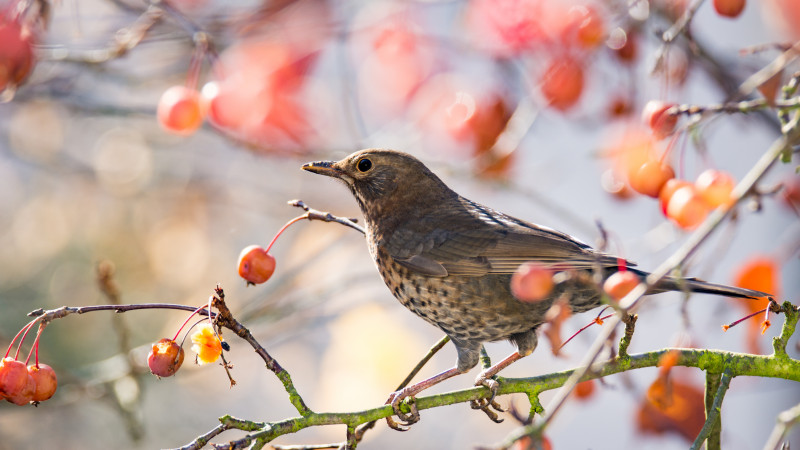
point(517, 104)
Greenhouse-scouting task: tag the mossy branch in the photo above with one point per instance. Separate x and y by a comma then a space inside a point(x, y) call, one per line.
point(713, 361)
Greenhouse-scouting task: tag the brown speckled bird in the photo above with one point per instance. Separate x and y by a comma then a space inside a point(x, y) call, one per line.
point(450, 260)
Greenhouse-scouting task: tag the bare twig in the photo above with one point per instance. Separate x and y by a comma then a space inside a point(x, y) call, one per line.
point(313, 214)
point(712, 424)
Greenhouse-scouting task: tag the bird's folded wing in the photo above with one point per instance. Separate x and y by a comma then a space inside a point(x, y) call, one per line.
point(476, 241)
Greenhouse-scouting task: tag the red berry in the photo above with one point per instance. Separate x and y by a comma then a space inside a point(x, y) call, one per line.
point(630, 50)
point(255, 264)
point(729, 8)
point(656, 117)
point(687, 208)
point(13, 377)
point(650, 177)
point(25, 395)
point(715, 187)
point(562, 83)
point(16, 53)
point(667, 190)
point(588, 25)
point(619, 284)
point(45, 379)
point(532, 282)
point(180, 110)
point(585, 389)
point(165, 358)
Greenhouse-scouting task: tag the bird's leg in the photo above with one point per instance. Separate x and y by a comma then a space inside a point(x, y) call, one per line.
point(411, 391)
point(485, 379)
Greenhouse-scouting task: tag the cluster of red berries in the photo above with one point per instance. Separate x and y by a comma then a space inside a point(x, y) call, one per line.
point(21, 385)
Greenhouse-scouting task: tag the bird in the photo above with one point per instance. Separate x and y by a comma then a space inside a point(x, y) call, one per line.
point(450, 261)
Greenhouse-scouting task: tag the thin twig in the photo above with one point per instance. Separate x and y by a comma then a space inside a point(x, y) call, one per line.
point(712, 414)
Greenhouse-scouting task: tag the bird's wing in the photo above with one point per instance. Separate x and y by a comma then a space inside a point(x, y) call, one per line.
point(473, 240)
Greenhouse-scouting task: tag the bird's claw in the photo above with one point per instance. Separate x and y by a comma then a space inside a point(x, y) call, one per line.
point(406, 420)
point(484, 404)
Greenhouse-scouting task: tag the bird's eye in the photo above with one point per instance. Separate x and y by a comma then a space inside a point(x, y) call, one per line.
point(364, 165)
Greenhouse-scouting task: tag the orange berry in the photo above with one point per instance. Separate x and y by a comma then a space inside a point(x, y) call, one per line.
point(619, 284)
point(650, 177)
point(165, 358)
point(255, 264)
point(729, 8)
point(45, 379)
point(180, 110)
point(668, 189)
point(591, 28)
point(715, 187)
point(531, 282)
point(655, 116)
point(562, 83)
point(13, 377)
point(687, 208)
point(585, 389)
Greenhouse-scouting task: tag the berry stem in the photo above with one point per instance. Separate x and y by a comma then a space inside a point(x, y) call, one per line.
point(35, 346)
point(585, 327)
point(200, 308)
point(25, 329)
point(289, 223)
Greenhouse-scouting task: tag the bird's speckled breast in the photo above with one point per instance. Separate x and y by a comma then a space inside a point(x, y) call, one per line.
point(466, 308)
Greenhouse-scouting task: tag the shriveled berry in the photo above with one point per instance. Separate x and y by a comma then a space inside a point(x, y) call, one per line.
point(165, 358)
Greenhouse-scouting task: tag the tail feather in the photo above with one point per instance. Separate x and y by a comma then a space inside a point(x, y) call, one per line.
point(703, 287)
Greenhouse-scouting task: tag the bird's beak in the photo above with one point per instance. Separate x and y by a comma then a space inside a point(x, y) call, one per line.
point(323, 168)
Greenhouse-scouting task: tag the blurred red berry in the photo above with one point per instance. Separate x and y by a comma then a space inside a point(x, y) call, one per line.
point(715, 187)
point(729, 8)
point(629, 50)
point(589, 25)
point(619, 284)
point(562, 83)
point(686, 208)
point(650, 177)
point(180, 110)
point(667, 190)
point(255, 264)
point(16, 52)
point(165, 358)
point(532, 282)
point(585, 389)
point(655, 116)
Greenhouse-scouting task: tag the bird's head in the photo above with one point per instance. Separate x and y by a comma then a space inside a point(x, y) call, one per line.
point(385, 181)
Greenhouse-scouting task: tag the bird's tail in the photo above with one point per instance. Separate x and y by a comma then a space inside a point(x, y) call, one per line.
point(703, 287)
